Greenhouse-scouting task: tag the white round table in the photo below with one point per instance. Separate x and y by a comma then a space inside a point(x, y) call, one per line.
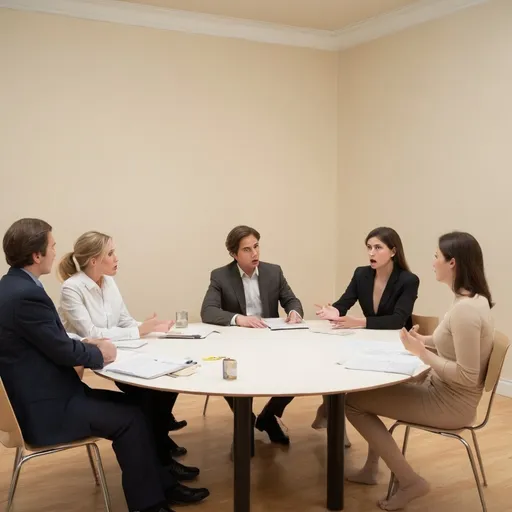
point(274, 363)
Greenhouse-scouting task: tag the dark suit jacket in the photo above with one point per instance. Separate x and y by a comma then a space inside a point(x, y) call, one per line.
point(396, 304)
point(36, 363)
point(225, 296)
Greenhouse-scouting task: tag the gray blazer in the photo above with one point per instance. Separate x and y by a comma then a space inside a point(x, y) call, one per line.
point(225, 296)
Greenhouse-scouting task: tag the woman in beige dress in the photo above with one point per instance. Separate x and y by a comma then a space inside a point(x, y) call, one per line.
point(458, 353)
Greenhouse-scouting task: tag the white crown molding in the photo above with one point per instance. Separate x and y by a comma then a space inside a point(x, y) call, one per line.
point(127, 13)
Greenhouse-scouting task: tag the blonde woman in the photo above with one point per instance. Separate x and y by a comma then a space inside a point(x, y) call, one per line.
point(91, 306)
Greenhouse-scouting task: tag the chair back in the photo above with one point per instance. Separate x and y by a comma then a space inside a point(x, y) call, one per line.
point(496, 361)
point(492, 378)
point(427, 324)
point(10, 432)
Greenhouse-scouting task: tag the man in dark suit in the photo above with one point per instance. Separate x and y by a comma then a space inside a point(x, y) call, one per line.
point(245, 292)
point(52, 405)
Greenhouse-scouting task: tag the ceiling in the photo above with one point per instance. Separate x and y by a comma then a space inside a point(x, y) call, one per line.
point(317, 14)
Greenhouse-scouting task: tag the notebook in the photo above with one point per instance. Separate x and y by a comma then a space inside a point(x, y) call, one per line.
point(192, 332)
point(280, 324)
point(147, 367)
point(390, 362)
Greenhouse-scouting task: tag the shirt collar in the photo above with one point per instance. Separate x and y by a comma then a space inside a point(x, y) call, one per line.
point(242, 273)
point(86, 280)
point(34, 278)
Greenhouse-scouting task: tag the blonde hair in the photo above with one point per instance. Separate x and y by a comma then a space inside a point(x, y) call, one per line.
point(88, 246)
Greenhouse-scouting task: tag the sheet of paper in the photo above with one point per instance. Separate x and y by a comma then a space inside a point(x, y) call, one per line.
point(388, 363)
point(330, 330)
point(280, 324)
point(129, 344)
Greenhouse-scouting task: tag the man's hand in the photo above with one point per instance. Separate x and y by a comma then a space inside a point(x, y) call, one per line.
point(294, 318)
point(250, 321)
point(108, 350)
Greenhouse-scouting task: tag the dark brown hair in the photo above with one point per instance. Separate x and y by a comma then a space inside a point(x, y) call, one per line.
point(235, 237)
point(391, 239)
point(469, 263)
point(23, 239)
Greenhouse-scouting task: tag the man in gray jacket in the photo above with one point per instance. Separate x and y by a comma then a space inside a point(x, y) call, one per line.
point(243, 293)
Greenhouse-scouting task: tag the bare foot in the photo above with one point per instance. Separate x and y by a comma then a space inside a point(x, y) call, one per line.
point(405, 494)
point(321, 419)
point(366, 476)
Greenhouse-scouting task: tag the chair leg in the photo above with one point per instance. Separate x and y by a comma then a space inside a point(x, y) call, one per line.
point(18, 462)
point(103, 481)
point(479, 457)
point(93, 466)
point(206, 404)
point(473, 467)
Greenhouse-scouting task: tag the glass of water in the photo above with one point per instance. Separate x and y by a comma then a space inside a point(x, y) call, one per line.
point(181, 319)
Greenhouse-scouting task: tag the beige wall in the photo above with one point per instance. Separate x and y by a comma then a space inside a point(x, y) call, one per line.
point(166, 141)
point(425, 128)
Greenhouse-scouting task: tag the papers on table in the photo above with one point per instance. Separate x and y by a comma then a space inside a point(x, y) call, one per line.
point(197, 332)
point(147, 367)
point(130, 344)
point(280, 324)
point(330, 330)
point(386, 361)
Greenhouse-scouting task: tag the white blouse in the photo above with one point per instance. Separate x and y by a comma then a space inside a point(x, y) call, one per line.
point(94, 312)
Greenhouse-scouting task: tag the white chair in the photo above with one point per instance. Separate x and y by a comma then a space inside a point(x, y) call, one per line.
point(498, 354)
point(11, 437)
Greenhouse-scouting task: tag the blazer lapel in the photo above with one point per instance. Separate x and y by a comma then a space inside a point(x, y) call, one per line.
point(264, 287)
point(366, 294)
point(238, 288)
point(390, 285)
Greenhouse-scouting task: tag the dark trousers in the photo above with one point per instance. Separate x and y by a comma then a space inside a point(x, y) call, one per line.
point(157, 407)
point(113, 416)
point(275, 406)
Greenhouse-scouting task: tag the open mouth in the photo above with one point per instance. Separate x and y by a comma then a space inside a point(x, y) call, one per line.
point(372, 261)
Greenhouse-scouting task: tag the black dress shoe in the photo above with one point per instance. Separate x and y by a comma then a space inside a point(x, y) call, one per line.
point(182, 495)
point(270, 425)
point(176, 425)
point(178, 451)
point(182, 472)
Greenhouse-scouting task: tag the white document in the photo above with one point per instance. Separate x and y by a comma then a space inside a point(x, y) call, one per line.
point(129, 344)
point(386, 362)
point(147, 367)
point(330, 330)
point(280, 324)
point(197, 332)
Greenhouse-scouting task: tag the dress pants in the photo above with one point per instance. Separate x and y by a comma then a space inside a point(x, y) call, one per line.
point(113, 416)
point(157, 406)
point(275, 406)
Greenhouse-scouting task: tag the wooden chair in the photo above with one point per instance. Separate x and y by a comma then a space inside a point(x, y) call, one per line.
point(427, 324)
point(498, 354)
point(11, 437)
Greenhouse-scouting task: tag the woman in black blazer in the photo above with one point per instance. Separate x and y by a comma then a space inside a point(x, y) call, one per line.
point(386, 291)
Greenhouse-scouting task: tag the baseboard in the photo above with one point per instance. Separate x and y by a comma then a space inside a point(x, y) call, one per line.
point(505, 388)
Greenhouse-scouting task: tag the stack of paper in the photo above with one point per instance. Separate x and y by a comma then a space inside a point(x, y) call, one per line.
point(330, 330)
point(147, 367)
point(280, 324)
point(386, 362)
point(192, 332)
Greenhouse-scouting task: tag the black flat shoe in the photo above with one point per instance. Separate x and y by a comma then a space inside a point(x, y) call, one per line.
point(271, 426)
point(182, 472)
point(183, 495)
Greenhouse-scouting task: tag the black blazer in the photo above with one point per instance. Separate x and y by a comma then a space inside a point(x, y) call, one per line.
point(396, 304)
point(225, 296)
point(36, 363)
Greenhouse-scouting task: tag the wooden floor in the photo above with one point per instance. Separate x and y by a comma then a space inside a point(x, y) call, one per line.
point(283, 480)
